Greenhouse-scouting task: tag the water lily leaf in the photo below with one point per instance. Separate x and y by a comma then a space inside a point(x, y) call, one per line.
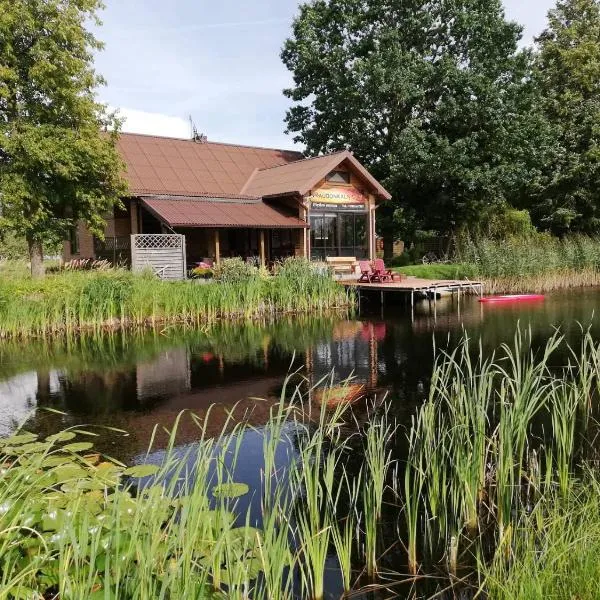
point(141, 471)
point(23, 593)
point(54, 461)
point(230, 490)
point(67, 472)
point(17, 440)
point(33, 447)
point(247, 535)
point(78, 447)
point(62, 436)
point(54, 520)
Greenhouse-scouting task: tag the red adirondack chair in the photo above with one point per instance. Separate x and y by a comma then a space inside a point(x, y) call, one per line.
point(366, 273)
point(381, 272)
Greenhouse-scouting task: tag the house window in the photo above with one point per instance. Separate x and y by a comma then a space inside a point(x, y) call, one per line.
point(338, 234)
point(338, 177)
point(74, 240)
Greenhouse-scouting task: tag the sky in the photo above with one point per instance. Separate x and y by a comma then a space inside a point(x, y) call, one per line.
point(216, 61)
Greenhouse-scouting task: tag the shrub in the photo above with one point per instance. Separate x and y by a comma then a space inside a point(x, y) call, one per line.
point(201, 271)
point(296, 267)
point(235, 270)
point(82, 264)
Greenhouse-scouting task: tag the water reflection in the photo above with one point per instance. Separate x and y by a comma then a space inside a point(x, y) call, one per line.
point(133, 381)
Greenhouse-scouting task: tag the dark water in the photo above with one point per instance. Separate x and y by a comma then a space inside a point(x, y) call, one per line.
point(132, 381)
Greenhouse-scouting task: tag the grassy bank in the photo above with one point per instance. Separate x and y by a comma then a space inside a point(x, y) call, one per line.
point(73, 301)
point(434, 271)
point(534, 263)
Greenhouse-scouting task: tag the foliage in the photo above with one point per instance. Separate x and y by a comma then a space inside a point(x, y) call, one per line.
point(556, 552)
point(56, 165)
point(529, 255)
point(12, 247)
point(235, 270)
point(79, 525)
point(503, 224)
point(482, 466)
point(83, 264)
point(201, 273)
point(76, 527)
point(568, 76)
point(434, 271)
point(71, 301)
point(434, 98)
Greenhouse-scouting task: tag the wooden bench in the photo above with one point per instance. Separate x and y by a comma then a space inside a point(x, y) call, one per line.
point(342, 264)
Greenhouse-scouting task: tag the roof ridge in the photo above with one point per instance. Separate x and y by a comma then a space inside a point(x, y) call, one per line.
point(304, 160)
point(139, 192)
point(180, 139)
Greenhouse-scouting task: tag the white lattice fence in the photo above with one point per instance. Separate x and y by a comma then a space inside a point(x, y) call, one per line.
point(163, 253)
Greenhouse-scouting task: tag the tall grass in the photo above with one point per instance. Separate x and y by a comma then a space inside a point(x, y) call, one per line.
point(538, 262)
point(497, 469)
point(73, 301)
point(496, 441)
point(77, 525)
point(556, 549)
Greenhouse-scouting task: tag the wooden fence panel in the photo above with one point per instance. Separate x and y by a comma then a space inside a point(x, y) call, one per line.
point(163, 253)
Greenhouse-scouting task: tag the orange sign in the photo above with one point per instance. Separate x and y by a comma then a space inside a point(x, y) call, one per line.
point(338, 196)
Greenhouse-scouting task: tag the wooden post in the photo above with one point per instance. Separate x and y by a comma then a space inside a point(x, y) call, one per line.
point(262, 248)
point(217, 248)
point(133, 216)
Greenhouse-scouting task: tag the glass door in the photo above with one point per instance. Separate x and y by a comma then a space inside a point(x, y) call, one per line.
point(323, 236)
point(340, 234)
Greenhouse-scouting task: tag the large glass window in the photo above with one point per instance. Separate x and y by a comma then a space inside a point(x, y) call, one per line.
point(338, 234)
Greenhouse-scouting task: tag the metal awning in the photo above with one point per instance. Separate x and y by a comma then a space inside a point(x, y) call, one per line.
point(180, 211)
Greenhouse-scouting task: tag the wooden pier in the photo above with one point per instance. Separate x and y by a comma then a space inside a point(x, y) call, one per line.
point(414, 286)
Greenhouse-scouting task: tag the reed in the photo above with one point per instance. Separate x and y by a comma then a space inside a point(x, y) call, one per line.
point(471, 463)
point(378, 463)
point(96, 301)
point(556, 549)
point(537, 262)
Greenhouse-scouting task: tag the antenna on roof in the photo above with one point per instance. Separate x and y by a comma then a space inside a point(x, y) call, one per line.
point(199, 138)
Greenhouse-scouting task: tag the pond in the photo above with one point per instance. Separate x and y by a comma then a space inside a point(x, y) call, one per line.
point(123, 384)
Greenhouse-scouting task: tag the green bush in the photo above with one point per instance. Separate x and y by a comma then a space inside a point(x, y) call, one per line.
point(235, 270)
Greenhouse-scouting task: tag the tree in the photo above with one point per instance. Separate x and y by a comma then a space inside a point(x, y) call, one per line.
point(568, 75)
point(434, 97)
point(57, 165)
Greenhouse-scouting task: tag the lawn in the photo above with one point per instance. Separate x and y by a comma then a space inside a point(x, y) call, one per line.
point(434, 271)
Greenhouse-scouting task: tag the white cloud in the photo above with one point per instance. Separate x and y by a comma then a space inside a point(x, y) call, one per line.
point(139, 121)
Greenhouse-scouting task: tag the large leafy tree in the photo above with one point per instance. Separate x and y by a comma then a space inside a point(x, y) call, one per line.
point(434, 97)
point(568, 74)
point(57, 165)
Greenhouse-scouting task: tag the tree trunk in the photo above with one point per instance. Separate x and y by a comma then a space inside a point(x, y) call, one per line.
point(36, 256)
point(388, 246)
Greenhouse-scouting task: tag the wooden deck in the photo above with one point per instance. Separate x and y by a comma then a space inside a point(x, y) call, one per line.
point(414, 284)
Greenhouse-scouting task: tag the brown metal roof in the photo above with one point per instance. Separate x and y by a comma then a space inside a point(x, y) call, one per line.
point(301, 176)
point(212, 212)
point(159, 165)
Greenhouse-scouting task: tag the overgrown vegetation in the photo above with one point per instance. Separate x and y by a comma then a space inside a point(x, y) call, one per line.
point(76, 525)
point(536, 262)
point(499, 483)
point(71, 301)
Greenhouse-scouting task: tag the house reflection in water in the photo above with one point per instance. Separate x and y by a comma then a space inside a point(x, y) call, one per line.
point(241, 370)
point(345, 367)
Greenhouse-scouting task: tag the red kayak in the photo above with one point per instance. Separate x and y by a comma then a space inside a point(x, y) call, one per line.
point(512, 298)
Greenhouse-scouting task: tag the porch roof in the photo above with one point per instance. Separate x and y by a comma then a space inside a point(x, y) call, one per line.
point(184, 211)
